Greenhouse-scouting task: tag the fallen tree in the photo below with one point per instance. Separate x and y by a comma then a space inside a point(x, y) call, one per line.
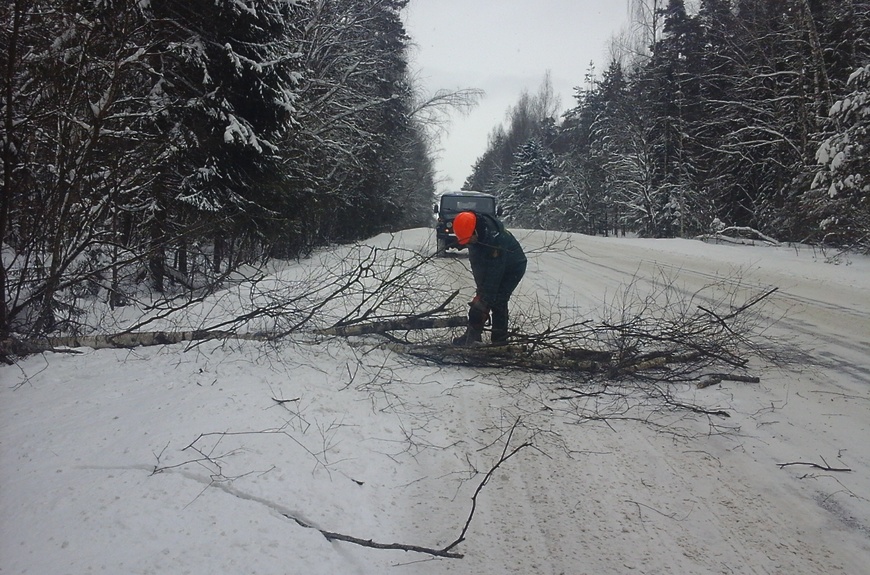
point(672, 343)
point(741, 235)
point(65, 344)
point(659, 332)
point(668, 341)
point(371, 283)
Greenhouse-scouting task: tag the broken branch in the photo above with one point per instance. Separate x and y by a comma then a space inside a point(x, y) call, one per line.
point(504, 457)
point(824, 467)
point(407, 324)
point(716, 378)
point(446, 551)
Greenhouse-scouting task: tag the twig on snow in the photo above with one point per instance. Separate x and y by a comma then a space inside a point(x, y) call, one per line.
point(716, 378)
point(824, 467)
point(504, 457)
point(446, 551)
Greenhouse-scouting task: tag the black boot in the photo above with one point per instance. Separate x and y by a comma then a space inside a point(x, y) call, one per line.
point(470, 337)
point(500, 322)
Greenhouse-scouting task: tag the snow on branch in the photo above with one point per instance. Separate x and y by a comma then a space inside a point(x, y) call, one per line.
point(737, 235)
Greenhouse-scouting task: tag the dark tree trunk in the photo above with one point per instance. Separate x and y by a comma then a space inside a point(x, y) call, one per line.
point(218, 253)
point(8, 156)
point(157, 247)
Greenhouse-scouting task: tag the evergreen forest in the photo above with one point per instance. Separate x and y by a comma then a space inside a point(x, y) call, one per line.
point(741, 114)
point(163, 143)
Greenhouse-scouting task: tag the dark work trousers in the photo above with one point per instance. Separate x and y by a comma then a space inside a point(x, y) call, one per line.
point(499, 307)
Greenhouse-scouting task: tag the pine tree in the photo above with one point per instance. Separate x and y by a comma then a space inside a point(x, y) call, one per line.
point(669, 90)
point(230, 80)
point(575, 196)
point(532, 117)
point(839, 199)
point(532, 168)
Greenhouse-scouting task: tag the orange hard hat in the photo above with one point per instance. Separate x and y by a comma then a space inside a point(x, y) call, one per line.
point(463, 227)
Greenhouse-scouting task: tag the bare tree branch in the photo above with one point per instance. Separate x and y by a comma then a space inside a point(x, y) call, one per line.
point(824, 467)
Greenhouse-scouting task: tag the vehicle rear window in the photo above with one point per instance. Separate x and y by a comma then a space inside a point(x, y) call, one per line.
point(462, 204)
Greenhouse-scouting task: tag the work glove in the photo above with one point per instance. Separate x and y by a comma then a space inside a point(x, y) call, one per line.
point(478, 315)
point(480, 305)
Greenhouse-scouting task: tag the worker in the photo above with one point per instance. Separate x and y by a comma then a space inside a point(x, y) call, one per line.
point(497, 264)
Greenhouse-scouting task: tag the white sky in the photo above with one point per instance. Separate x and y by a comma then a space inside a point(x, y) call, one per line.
point(504, 47)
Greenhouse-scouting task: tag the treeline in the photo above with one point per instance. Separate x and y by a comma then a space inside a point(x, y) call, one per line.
point(750, 113)
point(163, 143)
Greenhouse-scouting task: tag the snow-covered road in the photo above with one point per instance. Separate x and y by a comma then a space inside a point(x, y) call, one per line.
point(650, 501)
point(352, 438)
point(815, 302)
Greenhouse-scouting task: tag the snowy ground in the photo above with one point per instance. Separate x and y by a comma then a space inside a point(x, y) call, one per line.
point(256, 441)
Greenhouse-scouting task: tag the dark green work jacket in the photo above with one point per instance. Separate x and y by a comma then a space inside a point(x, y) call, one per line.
point(495, 257)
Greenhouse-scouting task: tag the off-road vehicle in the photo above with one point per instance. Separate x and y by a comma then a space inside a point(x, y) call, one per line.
point(449, 205)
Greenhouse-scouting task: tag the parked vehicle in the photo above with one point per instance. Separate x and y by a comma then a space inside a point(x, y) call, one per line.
point(452, 203)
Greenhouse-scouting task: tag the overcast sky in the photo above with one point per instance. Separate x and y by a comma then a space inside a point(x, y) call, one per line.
point(504, 47)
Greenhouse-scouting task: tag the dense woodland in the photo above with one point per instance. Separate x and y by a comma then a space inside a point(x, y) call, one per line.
point(160, 144)
point(737, 114)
